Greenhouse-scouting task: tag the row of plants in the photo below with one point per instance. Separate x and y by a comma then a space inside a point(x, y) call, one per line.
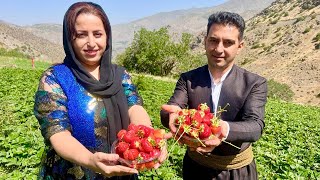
point(288, 148)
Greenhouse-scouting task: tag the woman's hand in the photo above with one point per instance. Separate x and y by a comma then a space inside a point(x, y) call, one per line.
point(106, 164)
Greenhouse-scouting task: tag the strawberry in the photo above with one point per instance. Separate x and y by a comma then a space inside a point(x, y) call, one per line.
point(150, 164)
point(133, 127)
point(216, 130)
point(205, 131)
point(198, 116)
point(204, 107)
point(144, 156)
point(207, 118)
point(129, 136)
point(155, 153)
point(140, 131)
point(135, 144)
point(147, 130)
point(159, 133)
point(130, 154)
point(121, 147)
point(121, 133)
point(146, 145)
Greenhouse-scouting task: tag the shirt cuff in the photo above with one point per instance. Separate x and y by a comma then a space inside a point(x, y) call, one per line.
point(228, 129)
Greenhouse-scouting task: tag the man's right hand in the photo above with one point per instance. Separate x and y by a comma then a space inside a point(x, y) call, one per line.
point(173, 113)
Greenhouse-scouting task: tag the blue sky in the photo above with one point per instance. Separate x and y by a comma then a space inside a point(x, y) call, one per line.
point(29, 12)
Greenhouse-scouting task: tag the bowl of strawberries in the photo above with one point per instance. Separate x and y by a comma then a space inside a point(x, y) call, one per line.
point(139, 146)
point(196, 126)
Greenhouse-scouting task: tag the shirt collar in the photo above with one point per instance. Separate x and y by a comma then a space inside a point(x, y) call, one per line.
point(222, 78)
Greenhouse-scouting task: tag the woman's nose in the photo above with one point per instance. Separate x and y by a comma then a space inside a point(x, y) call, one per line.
point(91, 41)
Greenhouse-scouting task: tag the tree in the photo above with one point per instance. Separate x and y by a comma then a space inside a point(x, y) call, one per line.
point(154, 52)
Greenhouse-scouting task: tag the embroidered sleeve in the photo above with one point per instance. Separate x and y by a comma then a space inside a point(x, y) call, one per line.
point(50, 106)
point(130, 90)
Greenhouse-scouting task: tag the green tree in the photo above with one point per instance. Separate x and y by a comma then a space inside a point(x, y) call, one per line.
point(154, 52)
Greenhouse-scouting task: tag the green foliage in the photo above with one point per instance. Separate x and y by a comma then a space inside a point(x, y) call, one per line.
point(279, 91)
point(288, 148)
point(153, 52)
point(21, 144)
point(13, 53)
point(317, 38)
point(306, 30)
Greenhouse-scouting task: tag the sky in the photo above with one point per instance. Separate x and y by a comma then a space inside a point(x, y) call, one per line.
point(30, 12)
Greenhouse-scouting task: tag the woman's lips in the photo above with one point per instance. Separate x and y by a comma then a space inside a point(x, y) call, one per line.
point(91, 52)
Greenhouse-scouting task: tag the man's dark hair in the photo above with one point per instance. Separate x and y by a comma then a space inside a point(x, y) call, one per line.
point(227, 18)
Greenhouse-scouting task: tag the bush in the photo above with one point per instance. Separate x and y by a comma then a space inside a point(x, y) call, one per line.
point(280, 91)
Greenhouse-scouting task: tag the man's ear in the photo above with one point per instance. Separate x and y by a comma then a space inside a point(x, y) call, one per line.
point(240, 47)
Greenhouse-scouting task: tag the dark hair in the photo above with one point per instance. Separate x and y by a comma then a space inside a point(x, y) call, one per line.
point(227, 18)
point(85, 7)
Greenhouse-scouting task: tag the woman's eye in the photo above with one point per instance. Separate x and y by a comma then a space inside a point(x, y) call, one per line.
point(97, 35)
point(81, 35)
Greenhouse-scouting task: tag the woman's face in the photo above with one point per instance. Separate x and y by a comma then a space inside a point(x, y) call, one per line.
point(90, 41)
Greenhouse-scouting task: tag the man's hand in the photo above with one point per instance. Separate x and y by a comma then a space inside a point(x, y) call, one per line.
point(173, 113)
point(216, 141)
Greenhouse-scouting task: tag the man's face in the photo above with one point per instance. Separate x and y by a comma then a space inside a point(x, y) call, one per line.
point(222, 45)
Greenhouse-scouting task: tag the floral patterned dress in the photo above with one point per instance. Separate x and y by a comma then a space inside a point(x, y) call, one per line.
point(79, 112)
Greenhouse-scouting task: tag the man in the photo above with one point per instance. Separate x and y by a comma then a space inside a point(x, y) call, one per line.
point(219, 83)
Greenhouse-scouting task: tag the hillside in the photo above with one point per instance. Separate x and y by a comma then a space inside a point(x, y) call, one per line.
point(15, 37)
point(283, 43)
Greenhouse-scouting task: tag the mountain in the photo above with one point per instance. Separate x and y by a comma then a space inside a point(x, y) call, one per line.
point(191, 20)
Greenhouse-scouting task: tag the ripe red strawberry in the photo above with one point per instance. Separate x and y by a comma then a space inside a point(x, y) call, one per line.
point(135, 144)
point(155, 153)
point(144, 156)
point(146, 145)
point(146, 131)
point(204, 107)
point(133, 127)
point(121, 133)
point(122, 147)
point(130, 154)
point(216, 130)
point(207, 118)
point(130, 136)
point(205, 131)
point(198, 116)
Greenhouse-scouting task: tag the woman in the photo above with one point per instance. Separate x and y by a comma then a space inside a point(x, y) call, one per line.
point(82, 103)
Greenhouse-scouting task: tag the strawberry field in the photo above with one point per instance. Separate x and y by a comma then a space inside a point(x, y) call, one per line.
point(288, 149)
